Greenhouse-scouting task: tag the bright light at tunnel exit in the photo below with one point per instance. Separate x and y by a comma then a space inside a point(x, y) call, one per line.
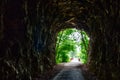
point(75, 60)
point(70, 46)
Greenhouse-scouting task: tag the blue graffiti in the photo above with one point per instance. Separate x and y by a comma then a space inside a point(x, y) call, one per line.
point(38, 39)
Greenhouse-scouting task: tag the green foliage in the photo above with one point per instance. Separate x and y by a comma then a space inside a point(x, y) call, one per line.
point(84, 47)
point(68, 41)
point(64, 46)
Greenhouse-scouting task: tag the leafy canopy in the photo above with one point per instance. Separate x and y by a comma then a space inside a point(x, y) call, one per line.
point(71, 43)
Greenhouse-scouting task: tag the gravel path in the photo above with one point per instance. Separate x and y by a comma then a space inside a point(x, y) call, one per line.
point(69, 74)
point(73, 71)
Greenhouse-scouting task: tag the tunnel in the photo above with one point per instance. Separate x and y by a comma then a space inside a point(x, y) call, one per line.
point(28, 35)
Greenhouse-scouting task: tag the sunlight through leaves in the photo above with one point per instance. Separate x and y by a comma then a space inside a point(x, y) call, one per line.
point(72, 44)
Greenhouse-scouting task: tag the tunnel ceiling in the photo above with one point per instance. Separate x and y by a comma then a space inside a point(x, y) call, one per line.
point(28, 31)
point(70, 14)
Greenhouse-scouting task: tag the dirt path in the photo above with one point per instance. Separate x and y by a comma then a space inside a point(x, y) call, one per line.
point(71, 71)
point(69, 74)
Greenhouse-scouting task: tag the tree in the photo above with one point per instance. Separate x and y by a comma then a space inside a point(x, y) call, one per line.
point(68, 42)
point(84, 47)
point(64, 46)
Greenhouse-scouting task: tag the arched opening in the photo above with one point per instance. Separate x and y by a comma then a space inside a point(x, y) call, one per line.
point(72, 45)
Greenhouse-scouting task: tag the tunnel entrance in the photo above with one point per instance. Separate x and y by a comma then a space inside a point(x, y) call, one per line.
point(72, 45)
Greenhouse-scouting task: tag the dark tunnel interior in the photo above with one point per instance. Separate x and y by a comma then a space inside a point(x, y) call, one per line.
point(28, 35)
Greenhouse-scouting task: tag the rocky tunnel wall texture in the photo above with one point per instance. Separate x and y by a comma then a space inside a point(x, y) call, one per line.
point(28, 30)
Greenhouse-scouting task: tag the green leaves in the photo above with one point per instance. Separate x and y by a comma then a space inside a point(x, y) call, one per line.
point(71, 43)
point(64, 46)
point(84, 47)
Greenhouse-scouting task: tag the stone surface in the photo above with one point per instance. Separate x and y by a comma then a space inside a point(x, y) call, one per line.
point(70, 74)
point(28, 30)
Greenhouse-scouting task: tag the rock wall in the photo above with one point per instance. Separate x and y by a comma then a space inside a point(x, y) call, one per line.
point(27, 43)
point(105, 38)
point(28, 30)
point(104, 54)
